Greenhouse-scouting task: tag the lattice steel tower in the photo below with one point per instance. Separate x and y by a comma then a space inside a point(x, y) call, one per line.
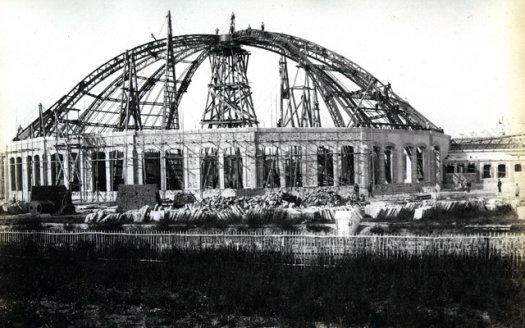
point(229, 103)
point(299, 105)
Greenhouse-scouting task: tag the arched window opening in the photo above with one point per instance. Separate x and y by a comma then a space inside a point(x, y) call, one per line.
point(347, 166)
point(271, 174)
point(232, 168)
point(421, 165)
point(209, 166)
point(117, 169)
point(98, 165)
point(74, 172)
point(487, 171)
point(29, 172)
point(57, 169)
point(12, 173)
point(389, 167)
point(36, 165)
point(502, 171)
point(293, 167)
point(19, 173)
point(152, 168)
point(325, 166)
point(174, 169)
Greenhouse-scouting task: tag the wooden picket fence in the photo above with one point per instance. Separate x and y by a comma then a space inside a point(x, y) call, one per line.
point(302, 247)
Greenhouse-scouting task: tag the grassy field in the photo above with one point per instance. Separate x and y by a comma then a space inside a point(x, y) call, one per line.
point(73, 287)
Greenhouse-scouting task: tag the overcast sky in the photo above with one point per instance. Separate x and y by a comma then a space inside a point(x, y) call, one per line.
point(460, 63)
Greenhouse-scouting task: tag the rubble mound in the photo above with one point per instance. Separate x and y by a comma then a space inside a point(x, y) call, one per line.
point(182, 199)
point(321, 197)
point(274, 200)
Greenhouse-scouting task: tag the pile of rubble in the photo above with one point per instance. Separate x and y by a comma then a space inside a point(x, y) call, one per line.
point(320, 197)
point(275, 200)
point(280, 200)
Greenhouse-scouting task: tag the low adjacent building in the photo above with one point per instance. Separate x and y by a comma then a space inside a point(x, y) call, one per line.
point(484, 161)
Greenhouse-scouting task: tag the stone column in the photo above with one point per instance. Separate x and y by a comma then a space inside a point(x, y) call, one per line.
point(250, 167)
point(162, 155)
point(109, 175)
point(129, 164)
point(9, 167)
point(66, 170)
point(245, 169)
point(310, 165)
point(49, 174)
point(363, 167)
point(33, 171)
point(25, 181)
point(40, 169)
point(400, 165)
point(259, 165)
point(480, 171)
point(221, 167)
point(6, 177)
point(337, 165)
point(281, 161)
point(138, 164)
point(431, 165)
point(44, 164)
point(193, 170)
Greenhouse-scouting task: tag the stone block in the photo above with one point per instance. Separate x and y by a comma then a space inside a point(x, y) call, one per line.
point(419, 213)
point(156, 216)
point(132, 197)
point(347, 222)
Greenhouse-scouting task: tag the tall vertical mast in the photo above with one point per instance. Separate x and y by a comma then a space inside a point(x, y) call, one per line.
point(170, 111)
point(129, 107)
point(41, 116)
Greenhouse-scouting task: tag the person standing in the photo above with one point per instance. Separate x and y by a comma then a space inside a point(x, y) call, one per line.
point(499, 185)
point(356, 191)
point(517, 190)
point(370, 190)
point(469, 185)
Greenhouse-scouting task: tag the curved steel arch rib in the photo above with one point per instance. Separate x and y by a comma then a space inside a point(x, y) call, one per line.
point(398, 113)
point(373, 104)
point(145, 54)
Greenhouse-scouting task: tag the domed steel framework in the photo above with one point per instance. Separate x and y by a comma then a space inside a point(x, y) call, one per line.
point(119, 98)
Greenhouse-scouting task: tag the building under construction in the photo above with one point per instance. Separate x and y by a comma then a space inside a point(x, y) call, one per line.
point(120, 125)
